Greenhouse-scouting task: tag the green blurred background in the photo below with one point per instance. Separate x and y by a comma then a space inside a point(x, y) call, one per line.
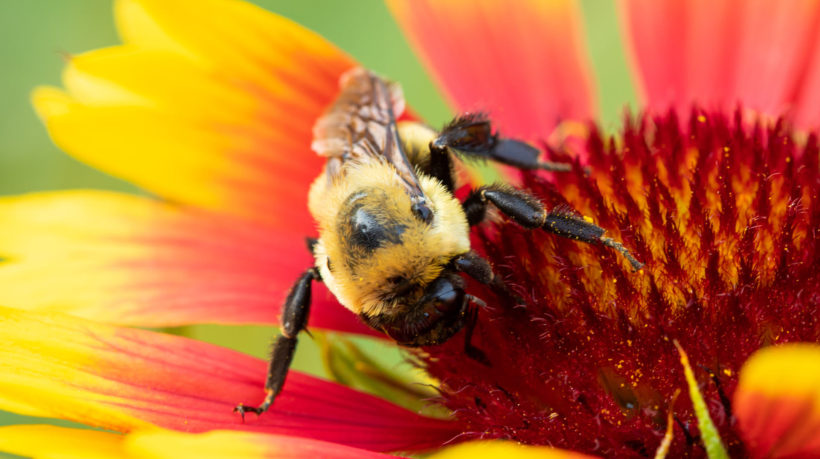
point(34, 35)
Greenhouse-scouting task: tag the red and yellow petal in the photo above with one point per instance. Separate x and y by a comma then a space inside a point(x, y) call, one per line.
point(67, 443)
point(777, 402)
point(209, 103)
point(721, 53)
point(122, 379)
point(128, 260)
point(524, 62)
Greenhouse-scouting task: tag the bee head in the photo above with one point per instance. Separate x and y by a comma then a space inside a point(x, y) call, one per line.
point(431, 319)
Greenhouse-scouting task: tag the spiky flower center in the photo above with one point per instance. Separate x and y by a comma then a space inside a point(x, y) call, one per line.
point(724, 214)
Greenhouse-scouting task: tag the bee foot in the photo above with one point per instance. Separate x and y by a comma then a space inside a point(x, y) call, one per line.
point(242, 409)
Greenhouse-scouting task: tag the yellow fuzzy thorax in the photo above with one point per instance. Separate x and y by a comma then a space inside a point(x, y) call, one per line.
point(359, 280)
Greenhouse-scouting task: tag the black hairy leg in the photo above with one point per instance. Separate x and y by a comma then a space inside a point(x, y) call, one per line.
point(471, 136)
point(441, 166)
point(529, 212)
point(469, 326)
point(473, 265)
point(294, 317)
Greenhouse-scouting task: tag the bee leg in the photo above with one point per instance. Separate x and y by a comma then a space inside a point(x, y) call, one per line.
point(441, 166)
point(470, 350)
point(528, 212)
point(472, 136)
point(294, 317)
point(523, 156)
point(473, 265)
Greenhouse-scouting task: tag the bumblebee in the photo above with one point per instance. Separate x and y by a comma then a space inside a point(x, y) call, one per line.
point(393, 239)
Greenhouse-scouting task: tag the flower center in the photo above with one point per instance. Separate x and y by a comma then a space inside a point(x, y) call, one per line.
point(723, 213)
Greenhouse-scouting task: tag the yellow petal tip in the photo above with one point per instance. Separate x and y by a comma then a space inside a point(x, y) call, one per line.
point(50, 102)
point(507, 449)
point(765, 370)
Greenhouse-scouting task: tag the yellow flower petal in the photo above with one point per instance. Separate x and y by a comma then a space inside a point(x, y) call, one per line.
point(52, 442)
point(209, 103)
point(219, 444)
point(507, 450)
point(66, 443)
point(777, 401)
point(248, 40)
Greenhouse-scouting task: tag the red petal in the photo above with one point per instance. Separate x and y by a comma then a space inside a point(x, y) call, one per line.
point(524, 62)
point(122, 379)
point(720, 53)
point(807, 98)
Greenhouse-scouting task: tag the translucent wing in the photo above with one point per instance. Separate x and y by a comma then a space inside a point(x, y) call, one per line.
point(361, 126)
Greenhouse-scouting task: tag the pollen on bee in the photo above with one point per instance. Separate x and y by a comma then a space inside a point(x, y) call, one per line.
point(588, 219)
point(702, 118)
point(727, 372)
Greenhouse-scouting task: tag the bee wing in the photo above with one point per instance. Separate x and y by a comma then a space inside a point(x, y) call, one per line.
point(361, 126)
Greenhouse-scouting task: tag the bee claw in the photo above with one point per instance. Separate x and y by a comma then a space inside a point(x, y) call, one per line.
point(241, 410)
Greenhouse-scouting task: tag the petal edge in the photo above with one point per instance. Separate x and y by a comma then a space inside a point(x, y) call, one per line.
point(777, 401)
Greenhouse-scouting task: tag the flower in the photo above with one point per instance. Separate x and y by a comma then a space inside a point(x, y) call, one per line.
point(720, 204)
point(722, 216)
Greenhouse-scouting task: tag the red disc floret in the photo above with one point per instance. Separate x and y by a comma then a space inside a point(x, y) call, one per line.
point(724, 213)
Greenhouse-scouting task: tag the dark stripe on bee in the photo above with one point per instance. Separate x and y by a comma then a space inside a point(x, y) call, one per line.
point(370, 234)
point(364, 229)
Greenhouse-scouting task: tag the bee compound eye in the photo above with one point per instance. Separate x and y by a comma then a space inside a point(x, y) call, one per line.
point(444, 295)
